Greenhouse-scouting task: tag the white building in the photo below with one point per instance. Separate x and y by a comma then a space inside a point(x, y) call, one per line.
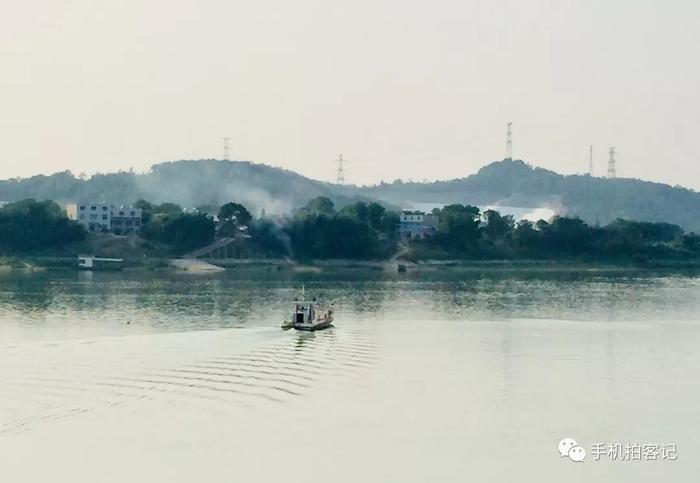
point(94, 216)
point(411, 217)
point(97, 217)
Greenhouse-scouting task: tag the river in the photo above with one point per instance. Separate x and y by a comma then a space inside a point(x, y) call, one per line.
point(432, 377)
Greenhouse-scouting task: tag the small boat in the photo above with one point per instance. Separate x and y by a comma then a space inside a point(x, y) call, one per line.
point(309, 315)
point(89, 262)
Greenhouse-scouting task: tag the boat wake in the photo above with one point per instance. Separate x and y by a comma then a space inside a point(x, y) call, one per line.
point(212, 370)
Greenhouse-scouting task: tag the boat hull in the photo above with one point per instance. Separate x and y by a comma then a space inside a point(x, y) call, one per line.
point(311, 328)
point(309, 317)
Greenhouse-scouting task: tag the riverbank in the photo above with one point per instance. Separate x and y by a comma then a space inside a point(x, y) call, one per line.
point(279, 264)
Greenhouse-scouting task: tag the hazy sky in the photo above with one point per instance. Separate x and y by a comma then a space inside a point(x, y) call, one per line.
point(402, 88)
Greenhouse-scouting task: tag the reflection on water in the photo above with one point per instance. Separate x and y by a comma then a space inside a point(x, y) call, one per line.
point(74, 304)
point(428, 377)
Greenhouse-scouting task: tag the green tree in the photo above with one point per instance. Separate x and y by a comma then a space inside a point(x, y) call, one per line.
point(458, 228)
point(338, 236)
point(31, 225)
point(568, 236)
point(235, 213)
point(144, 205)
point(168, 209)
point(147, 210)
point(319, 205)
point(497, 227)
point(188, 231)
point(183, 231)
point(527, 240)
point(268, 238)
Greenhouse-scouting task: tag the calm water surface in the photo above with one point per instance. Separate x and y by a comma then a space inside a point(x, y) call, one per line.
point(114, 377)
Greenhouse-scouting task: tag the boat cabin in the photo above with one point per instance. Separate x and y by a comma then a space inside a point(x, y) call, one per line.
point(304, 313)
point(309, 315)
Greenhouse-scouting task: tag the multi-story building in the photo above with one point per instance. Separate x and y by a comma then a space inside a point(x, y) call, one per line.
point(126, 220)
point(416, 224)
point(98, 217)
point(94, 216)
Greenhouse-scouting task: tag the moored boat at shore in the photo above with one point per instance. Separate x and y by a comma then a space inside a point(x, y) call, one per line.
point(89, 262)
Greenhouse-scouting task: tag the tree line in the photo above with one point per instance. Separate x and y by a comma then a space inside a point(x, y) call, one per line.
point(30, 225)
point(465, 232)
point(317, 230)
point(361, 230)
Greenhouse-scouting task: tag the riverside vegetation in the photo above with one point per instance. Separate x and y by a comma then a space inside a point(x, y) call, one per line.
point(357, 231)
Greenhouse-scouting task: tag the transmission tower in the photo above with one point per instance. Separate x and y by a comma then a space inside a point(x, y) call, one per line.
point(612, 172)
point(590, 160)
point(340, 177)
point(509, 142)
point(226, 140)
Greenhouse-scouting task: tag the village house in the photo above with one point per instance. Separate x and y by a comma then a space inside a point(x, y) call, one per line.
point(416, 224)
point(100, 217)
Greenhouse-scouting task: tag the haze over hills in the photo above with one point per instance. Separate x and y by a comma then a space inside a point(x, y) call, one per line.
point(258, 186)
point(595, 200)
point(188, 183)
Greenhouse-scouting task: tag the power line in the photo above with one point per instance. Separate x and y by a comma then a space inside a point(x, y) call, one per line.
point(509, 142)
point(226, 140)
point(612, 171)
point(340, 177)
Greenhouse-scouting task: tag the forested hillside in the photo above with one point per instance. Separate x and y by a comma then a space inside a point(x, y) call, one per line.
point(275, 190)
point(188, 183)
point(594, 200)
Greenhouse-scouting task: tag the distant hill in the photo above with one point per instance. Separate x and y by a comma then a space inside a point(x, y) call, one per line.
point(508, 183)
point(595, 200)
point(188, 183)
